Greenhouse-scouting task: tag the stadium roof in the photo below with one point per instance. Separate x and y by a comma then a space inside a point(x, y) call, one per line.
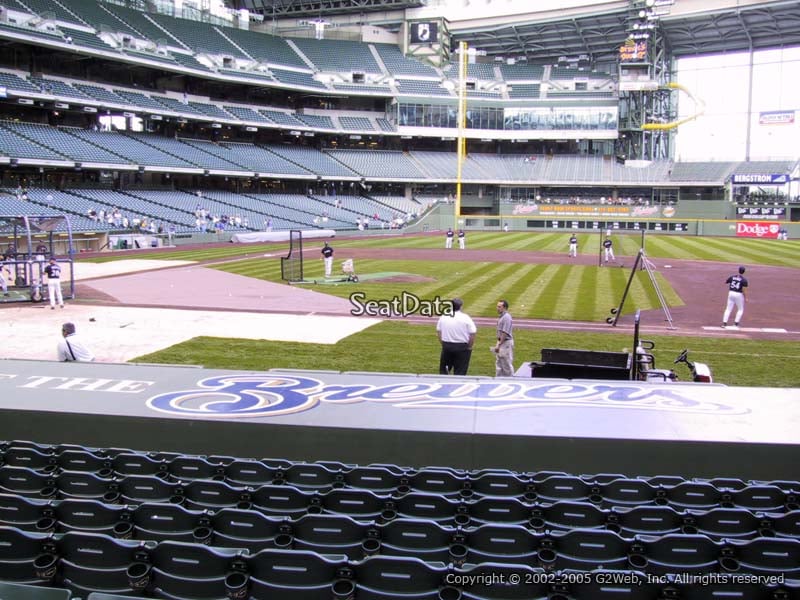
point(596, 29)
point(760, 26)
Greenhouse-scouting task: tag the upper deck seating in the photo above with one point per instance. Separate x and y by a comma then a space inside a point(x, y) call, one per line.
point(269, 49)
point(397, 64)
point(338, 55)
point(378, 163)
point(198, 36)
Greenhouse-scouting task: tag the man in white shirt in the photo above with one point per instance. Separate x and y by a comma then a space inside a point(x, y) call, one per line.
point(457, 336)
point(71, 347)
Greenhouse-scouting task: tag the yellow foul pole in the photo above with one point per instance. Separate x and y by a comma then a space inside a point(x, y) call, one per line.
point(462, 121)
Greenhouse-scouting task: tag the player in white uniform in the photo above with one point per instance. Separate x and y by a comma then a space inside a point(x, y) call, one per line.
point(327, 256)
point(736, 286)
point(573, 246)
point(448, 242)
point(3, 284)
point(462, 239)
point(608, 248)
point(53, 272)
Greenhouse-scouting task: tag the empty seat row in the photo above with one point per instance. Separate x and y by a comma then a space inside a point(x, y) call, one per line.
point(54, 479)
point(85, 563)
point(613, 489)
point(256, 523)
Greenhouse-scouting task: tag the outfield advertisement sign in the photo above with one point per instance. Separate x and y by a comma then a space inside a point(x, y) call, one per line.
point(594, 210)
point(758, 229)
point(760, 178)
point(761, 212)
point(776, 117)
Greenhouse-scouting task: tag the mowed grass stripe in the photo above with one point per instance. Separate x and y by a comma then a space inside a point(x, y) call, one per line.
point(510, 276)
point(548, 303)
point(448, 276)
point(607, 293)
point(585, 293)
point(531, 296)
point(480, 292)
point(515, 296)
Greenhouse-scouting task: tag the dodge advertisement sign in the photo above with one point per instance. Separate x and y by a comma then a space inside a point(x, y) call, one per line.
point(757, 229)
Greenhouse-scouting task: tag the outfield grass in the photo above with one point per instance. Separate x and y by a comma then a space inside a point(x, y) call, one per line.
point(729, 250)
point(541, 291)
point(394, 346)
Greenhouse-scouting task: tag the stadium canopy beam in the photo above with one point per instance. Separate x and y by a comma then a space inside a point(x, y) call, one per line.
point(315, 8)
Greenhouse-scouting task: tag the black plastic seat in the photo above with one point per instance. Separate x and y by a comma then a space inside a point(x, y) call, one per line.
point(558, 487)
point(499, 484)
point(170, 522)
point(82, 460)
point(674, 553)
point(296, 575)
point(376, 479)
point(424, 539)
point(251, 473)
point(533, 582)
point(628, 492)
point(501, 544)
point(567, 515)
point(786, 525)
point(29, 458)
point(584, 550)
point(359, 504)
point(429, 506)
point(392, 577)
point(645, 520)
point(78, 484)
point(330, 534)
point(723, 523)
point(310, 477)
point(766, 556)
point(132, 463)
point(498, 510)
point(763, 498)
point(19, 551)
point(249, 529)
point(22, 512)
point(693, 495)
point(281, 500)
point(90, 516)
point(136, 489)
point(193, 570)
point(27, 482)
point(436, 481)
point(190, 468)
point(97, 563)
point(207, 494)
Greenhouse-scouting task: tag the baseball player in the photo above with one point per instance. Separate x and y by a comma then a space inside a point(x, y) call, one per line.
point(462, 239)
point(327, 257)
point(3, 284)
point(448, 241)
point(573, 246)
point(53, 272)
point(736, 285)
point(608, 248)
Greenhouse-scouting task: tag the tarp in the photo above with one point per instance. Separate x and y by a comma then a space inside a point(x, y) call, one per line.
point(279, 236)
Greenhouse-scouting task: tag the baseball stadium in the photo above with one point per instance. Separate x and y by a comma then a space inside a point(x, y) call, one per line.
point(399, 299)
